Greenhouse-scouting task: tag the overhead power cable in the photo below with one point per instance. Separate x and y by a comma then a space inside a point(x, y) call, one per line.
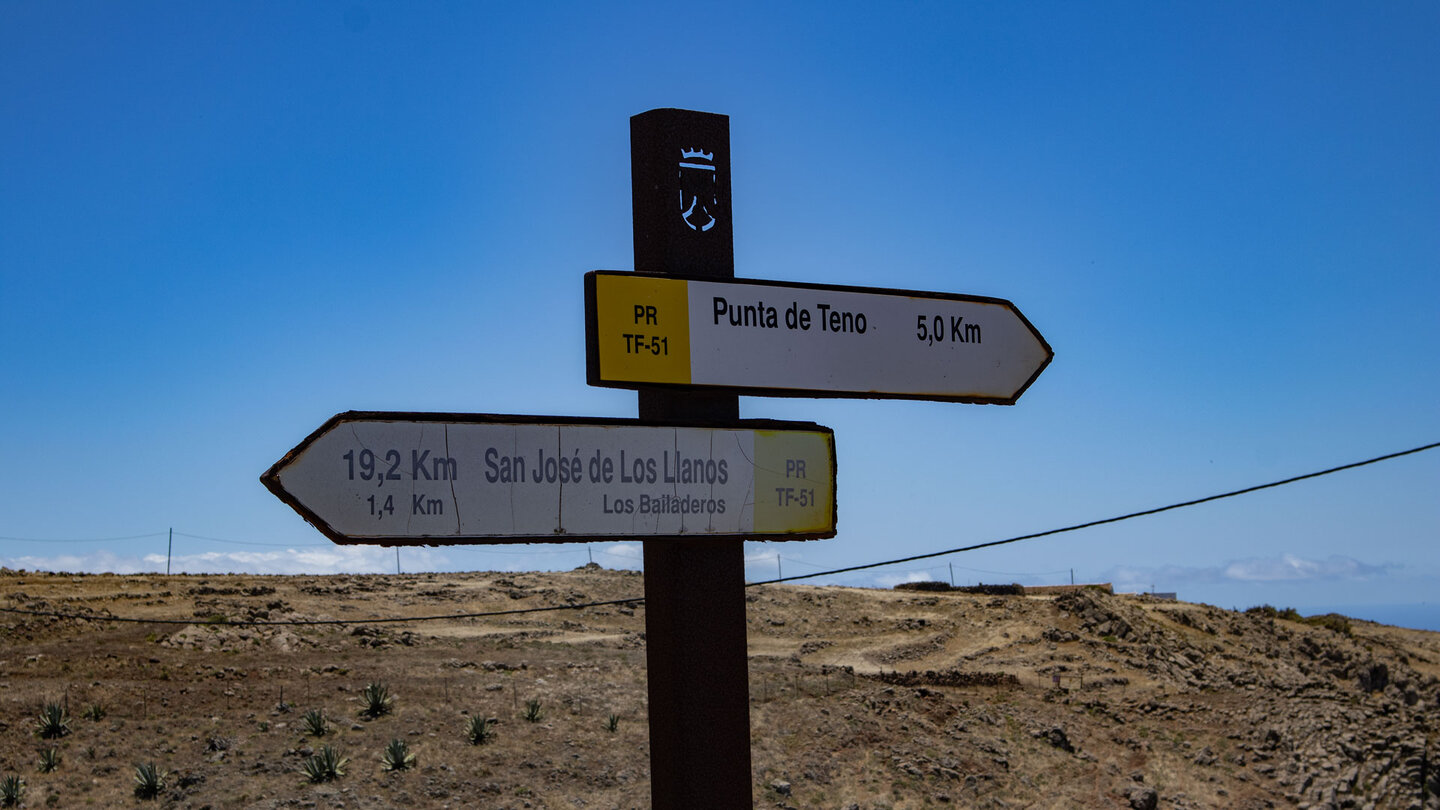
point(1104, 521)
point(638, 600)
point(251, 542)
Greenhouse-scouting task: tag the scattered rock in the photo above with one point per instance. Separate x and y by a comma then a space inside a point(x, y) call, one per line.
point(1142, 797)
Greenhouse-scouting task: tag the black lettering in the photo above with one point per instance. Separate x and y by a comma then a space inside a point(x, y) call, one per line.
point(417, 465)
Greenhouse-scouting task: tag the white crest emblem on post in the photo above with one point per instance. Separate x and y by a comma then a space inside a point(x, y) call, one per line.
point(698, 192)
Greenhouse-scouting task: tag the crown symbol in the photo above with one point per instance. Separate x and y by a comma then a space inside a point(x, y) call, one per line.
point(686, 154)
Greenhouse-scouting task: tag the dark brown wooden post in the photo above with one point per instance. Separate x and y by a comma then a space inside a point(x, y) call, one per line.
point(694, 589)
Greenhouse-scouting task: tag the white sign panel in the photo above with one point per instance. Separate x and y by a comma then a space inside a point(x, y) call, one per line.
point(785, 339)
point(446, 478)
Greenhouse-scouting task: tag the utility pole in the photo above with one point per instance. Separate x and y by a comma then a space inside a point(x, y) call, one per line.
point(169, 546)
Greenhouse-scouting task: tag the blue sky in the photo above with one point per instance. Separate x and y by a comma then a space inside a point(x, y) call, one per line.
point(221, 223)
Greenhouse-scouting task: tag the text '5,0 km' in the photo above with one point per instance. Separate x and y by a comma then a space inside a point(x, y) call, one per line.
point(434, 479)
point(777, 338)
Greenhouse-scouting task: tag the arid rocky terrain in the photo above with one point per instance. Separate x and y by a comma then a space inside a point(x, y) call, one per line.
point(860, 699)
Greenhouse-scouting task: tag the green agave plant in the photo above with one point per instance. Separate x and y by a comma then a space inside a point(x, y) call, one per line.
point(149, 780)
point(12, 790)
point(480, 730)
point(397, 756)
point(376, 700)
point(315, 723)
point(52, 722)
point(326, 765)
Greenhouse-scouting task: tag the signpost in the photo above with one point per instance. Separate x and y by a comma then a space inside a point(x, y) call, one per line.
point(696, 661)
point(433, 479)
point(777, 338)
point(688, 478)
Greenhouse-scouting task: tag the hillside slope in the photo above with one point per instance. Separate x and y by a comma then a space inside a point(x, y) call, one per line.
point(860, 699)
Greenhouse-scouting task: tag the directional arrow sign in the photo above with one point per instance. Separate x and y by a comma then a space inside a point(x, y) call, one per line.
point(441, 479)
point(775, 338)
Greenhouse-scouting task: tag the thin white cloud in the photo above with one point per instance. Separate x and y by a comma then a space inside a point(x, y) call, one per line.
point(628, 555)
point(1285, 568)
point(320, 560)
point(761, 556)
point(1289, 567)
point(891, 580)
point(93, 563)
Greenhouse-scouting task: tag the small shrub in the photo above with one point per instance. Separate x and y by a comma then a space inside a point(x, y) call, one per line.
point(480, 730)
point(1336, 622)
point(924, 586)
point(1013, 589)
point(315, 723)
point(12, 790)
point(52, 722)
point(612, 723)
point(397, 756)
point(149, 781)
point(533, 712)
point(325, 766)
point(95, 712)
point(376, 700)
point(263, 725)
point(49, 760)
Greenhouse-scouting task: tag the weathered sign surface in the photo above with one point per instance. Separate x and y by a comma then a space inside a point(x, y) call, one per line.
point(773, 338)
point(436, 479)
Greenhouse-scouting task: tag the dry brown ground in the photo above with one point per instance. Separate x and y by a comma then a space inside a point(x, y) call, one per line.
point(1204, 707)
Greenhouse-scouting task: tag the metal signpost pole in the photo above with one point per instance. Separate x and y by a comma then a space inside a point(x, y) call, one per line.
point(698, 676)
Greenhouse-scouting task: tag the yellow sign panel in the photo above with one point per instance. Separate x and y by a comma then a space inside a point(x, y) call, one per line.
point(643, 328)
point(794, 482)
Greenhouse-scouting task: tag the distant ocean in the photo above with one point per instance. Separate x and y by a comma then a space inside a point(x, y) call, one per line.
point(1417, 616)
